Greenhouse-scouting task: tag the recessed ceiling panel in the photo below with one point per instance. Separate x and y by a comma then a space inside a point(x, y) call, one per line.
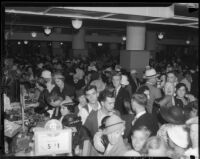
point(30, 9)
point(178, 21)
point(130, 17)
point(76, 12)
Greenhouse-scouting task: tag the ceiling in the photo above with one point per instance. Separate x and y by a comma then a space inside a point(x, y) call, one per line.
point(102, 20)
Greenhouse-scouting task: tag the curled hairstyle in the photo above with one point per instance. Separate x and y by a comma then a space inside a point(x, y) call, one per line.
point(144, 129)
point(141, 99)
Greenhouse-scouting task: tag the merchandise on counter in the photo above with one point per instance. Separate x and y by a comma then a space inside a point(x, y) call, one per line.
point(11, 128)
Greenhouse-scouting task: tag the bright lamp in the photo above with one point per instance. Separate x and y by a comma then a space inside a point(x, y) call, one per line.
point(77, 23)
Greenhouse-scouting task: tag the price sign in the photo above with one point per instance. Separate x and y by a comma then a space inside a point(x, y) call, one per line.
point(53, 142)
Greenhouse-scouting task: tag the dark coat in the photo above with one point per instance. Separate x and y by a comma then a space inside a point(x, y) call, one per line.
point(147, 120)
point(122, 96)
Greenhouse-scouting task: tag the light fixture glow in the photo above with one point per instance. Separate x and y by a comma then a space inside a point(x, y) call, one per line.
point(124, 38)
point(188, 42)
point(33, 34)
point(100, 44)
point(160, 36)
point(47, 30)
point(25, 42)
point(19, 43)
point(61, 43)
point(77, 23)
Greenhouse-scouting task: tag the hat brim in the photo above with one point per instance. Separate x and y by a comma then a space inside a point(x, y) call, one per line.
point(164, 112)
point(148, 77)
point(111, 129)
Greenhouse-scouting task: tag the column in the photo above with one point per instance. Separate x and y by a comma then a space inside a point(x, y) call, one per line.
point(78, 43)
point(151, 43)
point(44, 48)
point(114, 49)
point(135, 56)
point(57, 50)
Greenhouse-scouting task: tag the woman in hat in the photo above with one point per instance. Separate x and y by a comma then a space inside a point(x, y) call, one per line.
point(65, 89)
point(170, 116)
point(114, 129)
point(178, 140)
point(156, 147)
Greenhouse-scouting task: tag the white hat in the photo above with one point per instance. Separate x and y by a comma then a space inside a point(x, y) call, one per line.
point(124, 80)
point(109, 69)
point(147, 67)
point(118, 68)
point(46, 74)
point(133, 71)
point(150, 73)
point(179, 135)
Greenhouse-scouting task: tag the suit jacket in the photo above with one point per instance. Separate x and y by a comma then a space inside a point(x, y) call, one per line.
point(147, 120)
point(155, 93)
point(119, 101)
point(134, 86)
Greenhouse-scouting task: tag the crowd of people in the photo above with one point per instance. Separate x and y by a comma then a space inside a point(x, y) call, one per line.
point(112, 111)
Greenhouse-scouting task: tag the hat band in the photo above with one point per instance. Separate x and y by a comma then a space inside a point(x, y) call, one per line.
point(114, 124)
point(66, 104)
point(151, 75)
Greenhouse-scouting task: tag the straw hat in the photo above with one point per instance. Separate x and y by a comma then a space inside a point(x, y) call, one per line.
point(46, 74)
point(150, 73)
point(178, 135)
point(58, 76)
point(113, 123)
point(173, 114)
point(133, 71)
point(124, 80)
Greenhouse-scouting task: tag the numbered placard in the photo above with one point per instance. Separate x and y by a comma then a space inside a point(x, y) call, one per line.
point(53, 142)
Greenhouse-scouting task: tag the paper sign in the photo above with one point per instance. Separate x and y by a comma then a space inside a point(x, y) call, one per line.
point(53, 142)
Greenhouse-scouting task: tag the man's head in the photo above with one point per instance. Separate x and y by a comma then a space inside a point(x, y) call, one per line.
point(116, 79)
point(91, 94)
point(107, 100)
point(171, 77)
point(138, 102)
point(151, 76)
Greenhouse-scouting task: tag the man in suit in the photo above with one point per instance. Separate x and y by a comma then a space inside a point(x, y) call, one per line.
point(155, 93)
point(134, 81)
point(121, 94)
point(142, 118)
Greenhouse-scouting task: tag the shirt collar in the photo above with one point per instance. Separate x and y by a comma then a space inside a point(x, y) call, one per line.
point(140, 114)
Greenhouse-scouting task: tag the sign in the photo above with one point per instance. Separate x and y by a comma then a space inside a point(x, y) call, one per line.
point(53, 142)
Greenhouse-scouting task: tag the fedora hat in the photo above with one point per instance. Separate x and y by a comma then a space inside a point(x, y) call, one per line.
point(46, 74)
point(133, 71)
point(173, 114)
point(58, 76)
point(150, 73)
point(124, 80)
point(113, 123)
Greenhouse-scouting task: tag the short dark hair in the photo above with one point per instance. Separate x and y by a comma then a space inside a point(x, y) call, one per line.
point(141, 99)
point(142, 89)
point(115, 73)
point(89, 87)
point(173, 72)
point(104, 94)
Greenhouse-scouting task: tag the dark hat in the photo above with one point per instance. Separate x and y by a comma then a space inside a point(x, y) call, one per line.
point(173, 114)
point(71, 120)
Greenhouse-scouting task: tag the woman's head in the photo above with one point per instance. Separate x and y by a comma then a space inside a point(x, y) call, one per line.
point(139, 137)
point(59, 79)
point(155, 146)
point(181, 90)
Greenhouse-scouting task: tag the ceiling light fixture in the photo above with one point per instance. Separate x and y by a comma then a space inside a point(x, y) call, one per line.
point(25, 42)
point(124, 38)
point(33, 34)
point(100, 44)
point(188, 42)
point(77, 23)
point(19, 43)
point(47, 30)
point(160, 36)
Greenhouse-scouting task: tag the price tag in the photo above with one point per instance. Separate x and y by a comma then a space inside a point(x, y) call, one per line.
point(53, 142)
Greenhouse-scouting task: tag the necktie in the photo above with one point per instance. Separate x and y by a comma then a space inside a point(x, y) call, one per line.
point(115, 93)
